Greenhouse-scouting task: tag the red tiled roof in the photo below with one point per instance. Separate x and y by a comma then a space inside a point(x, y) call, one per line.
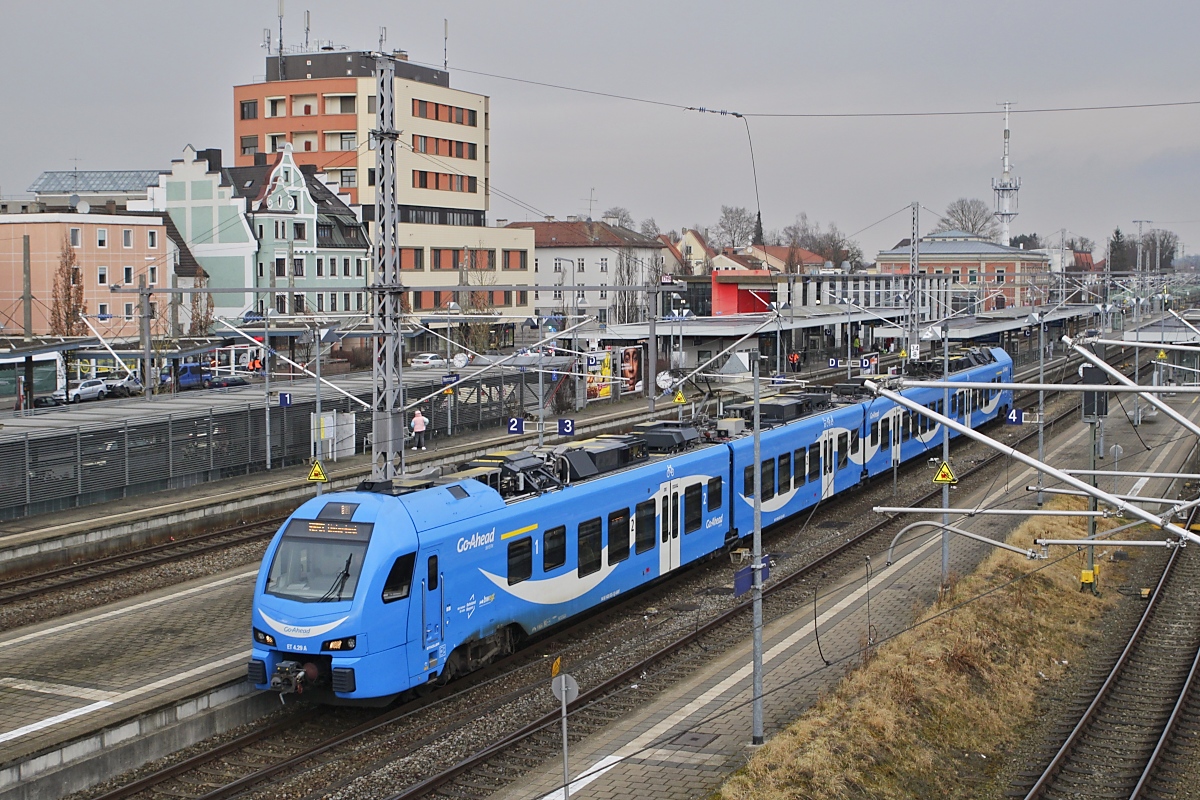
point(584, 234)
point(666, 240)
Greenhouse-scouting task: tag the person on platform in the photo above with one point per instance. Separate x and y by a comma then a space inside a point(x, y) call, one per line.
point(418, 425)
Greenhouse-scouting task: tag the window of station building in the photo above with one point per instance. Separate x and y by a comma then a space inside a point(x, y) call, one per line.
point(768, 479)
point(516, 259)
point(520, 560)
point(249, 145)
point(785, 473)
point(399, 580)
point(618, 536)
point(714, 494)
point(412, 258)
point(589, 546)
point(693, 507)
point(814, 462)
point(249, 111)
point(643, 534)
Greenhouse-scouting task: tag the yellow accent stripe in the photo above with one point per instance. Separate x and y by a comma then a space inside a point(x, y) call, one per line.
point(519, 531)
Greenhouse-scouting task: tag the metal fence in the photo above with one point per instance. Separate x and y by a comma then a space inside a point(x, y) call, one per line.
point(41, 473)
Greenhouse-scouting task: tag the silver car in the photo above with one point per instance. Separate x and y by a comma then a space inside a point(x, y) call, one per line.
point(78, 391)
point(428, 361)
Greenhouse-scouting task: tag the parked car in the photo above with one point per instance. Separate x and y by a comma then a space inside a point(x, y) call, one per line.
point(427, 361)
point(42, 401)
point(190, 376)
point(78, 391)
point(123, 387)
point(228, 381)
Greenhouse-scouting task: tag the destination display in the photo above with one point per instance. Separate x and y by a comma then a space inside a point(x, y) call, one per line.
point(329, 529)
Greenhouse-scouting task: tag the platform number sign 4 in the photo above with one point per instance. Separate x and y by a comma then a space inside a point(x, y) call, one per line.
point(516, 425)
point(1015, 417)
point(566, 427)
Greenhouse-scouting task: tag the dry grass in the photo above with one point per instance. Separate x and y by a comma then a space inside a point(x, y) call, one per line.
point(927, 715)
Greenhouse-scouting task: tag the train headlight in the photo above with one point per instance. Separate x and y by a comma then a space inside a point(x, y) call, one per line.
point(339, 645)
point(264, 638)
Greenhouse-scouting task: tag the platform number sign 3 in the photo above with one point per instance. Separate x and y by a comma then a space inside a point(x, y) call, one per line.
point(566, 427)
point(516, 425)
point(1015, 417)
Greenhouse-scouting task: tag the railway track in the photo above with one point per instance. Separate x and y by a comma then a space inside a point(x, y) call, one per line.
point(1145, 708)
point(31, 585)
point(514, 752)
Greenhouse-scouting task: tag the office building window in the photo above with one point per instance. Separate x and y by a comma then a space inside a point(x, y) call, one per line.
point(101, 275)
point(320, 302)
point(345, 268)
point(298, 267)
point(358, 301)
point(358, 267)
point(281, 268)
point(127, 275)
point(333, 301)
point(152, 240)
point(129, 311)
point(127, 237)
point(250, 111)
point(299, 230)
point(345, 301)
point(249, 145)
point(101, 237)
point(153, 277)
point(102, 310)
point(298, 303)
point(76, 237)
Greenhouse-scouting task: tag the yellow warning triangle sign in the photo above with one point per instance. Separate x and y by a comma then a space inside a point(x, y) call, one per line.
point(904, 354)
point(945, 474)
point(679, 398)
point(1162, 355)
point(317, 473)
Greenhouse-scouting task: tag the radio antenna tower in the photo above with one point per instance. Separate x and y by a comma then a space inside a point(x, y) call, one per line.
point(282, 75)
point(1006, 189)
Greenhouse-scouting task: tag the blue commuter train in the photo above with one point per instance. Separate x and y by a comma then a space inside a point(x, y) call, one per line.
point(369, 593)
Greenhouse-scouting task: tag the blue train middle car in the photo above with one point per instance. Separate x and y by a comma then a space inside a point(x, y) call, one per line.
point(369, 593)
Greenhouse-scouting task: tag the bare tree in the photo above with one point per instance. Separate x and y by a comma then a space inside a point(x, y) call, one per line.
point(622, 216)
point(66, 303)
point(479, 303)
point(202, 308)
point(971, 215)
point(831, 244)
point(649, 228)
point(1080, 244)
point(735, 228)
point(627, 306)
point(1158, 249)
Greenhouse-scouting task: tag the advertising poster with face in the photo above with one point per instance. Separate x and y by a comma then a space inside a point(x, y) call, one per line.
point(631, 370)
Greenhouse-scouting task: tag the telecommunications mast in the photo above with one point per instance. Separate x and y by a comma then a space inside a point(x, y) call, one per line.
point(1006, 189)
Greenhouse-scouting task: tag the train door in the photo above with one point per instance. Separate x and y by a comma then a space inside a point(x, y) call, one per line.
point(828, 463)
point(433, 610)
point(670, 499)
point(896, 417)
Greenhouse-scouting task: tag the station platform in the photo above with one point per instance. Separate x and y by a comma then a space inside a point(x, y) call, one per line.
point(687, 741)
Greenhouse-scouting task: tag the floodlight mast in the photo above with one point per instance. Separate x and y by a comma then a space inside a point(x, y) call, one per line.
point(387, 445)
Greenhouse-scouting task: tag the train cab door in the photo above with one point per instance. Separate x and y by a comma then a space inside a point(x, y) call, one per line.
point(669, 524)
point(433, 609)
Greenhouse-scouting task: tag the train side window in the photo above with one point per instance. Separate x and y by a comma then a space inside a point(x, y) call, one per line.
point(520, 560)
point(693, 507)
point(843, 459)
point(618, 536)
point(954, 404)
point(589, 547)
point(814, 462)
point(748, 482)
point(666, 519)
point(714, 494)
point(399, 579)
point(801, 465)
point(768, 479)
point(906, 427)
point(554, 548)
point(885, 433)
point(855, 438)
point(432, 573)
point(644, 526)
point(874, 434)
point(785, 473)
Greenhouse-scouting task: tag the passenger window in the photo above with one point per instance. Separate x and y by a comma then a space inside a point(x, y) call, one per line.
point(874, 434)
point(644, 526)
point(798, 458)
point(785, 473)
point(554, 548)
point(666, 519)
point(399, 580)
point(814, 462)
point(748, 482)
point(714, 494)
point(432, 574)
point(693, 507)
point(520, 560)
point(885, 434)
point(854, 441)
point(618, 536)
point(768, 479)
point(589, 547)
point(843, 452)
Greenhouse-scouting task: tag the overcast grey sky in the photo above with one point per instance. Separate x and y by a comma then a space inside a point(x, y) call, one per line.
point(127, 84)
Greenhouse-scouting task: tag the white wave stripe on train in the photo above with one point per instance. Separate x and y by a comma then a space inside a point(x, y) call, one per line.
point(560, 589)
point(299, 630)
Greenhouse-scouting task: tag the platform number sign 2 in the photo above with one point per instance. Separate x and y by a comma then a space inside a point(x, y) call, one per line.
point(566, 427)
point(516, 425)
point(1015, 417)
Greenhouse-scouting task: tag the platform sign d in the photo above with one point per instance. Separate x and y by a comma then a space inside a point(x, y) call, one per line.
point(945, 475)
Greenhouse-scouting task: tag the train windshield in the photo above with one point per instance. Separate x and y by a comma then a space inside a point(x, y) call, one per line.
point(319, 561)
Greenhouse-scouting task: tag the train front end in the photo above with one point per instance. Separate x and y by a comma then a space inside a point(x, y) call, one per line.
point(315, 600)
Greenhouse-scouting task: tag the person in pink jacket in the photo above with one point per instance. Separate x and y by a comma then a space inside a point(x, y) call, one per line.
point(418, 424)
